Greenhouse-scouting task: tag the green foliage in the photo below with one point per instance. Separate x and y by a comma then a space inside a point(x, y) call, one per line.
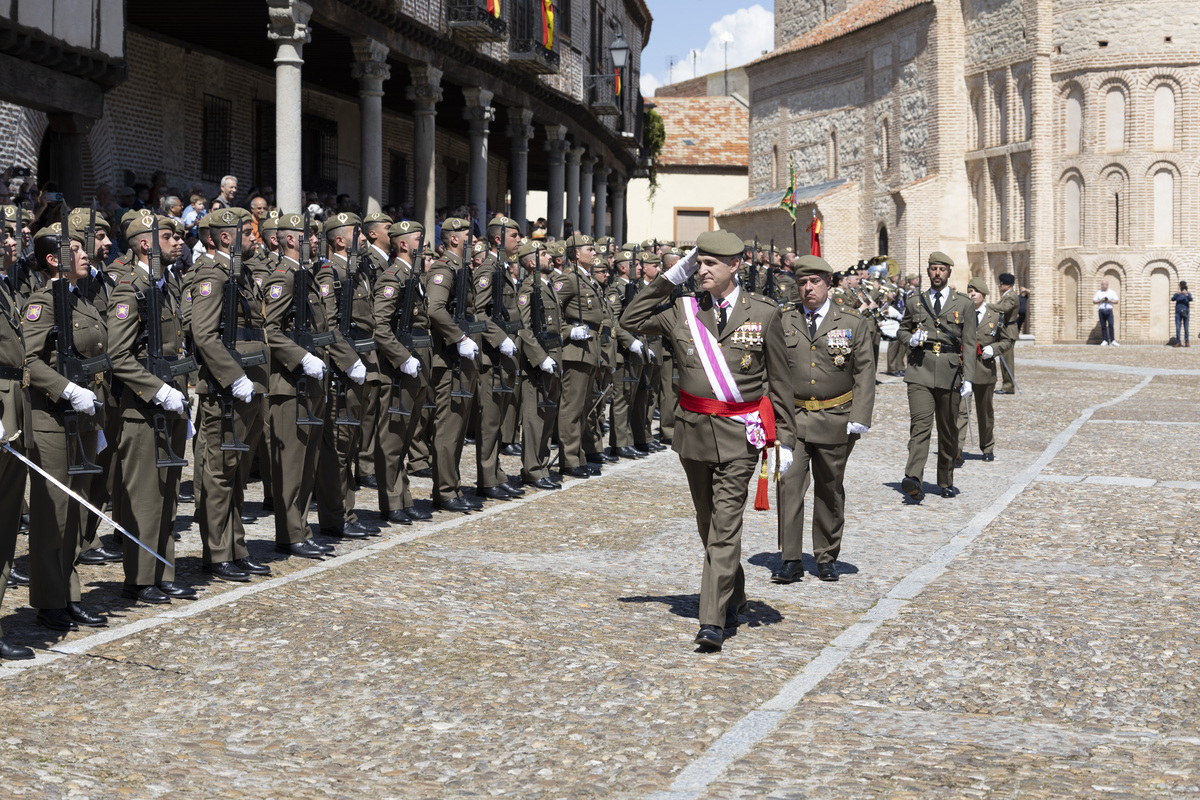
point(654, 136)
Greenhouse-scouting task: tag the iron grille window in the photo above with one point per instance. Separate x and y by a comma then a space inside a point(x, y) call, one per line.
point(319, 154)
point(397, 178)
point(562, 17)
point(264, 144)
point(523, 20)
point(218, 134)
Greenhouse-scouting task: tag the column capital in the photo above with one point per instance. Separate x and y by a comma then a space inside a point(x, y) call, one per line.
point(574, 155)
point(618, 187)
point(589, 162)
point(602, 174)
point(426, 87)
point(288, 20)
point(479, 105)
point(556, 140)
point(370, 65)
point(520, 128)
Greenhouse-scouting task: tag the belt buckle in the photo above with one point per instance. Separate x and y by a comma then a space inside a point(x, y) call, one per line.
point(25, 378)
point(937, 348)
point(812, 405)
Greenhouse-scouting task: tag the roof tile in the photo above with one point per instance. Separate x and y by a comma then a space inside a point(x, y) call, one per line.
point(704, 131)
point(865, 13)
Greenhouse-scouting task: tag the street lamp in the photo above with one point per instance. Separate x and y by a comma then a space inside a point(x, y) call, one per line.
point(618, 51)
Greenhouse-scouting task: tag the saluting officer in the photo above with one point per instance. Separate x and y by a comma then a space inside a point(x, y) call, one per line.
point(938, 328)
point(230, 388)
point(153, 414)
point(581, 313)
point(995, 339)
point(833, 377)
point(541, 359)
point(404, 363)
point(723, 425)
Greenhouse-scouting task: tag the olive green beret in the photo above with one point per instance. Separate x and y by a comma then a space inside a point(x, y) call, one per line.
point(529, 247)
point(557, 249)
point(502, 222)
point(83, 217)
point(341, 221)
point(812, 265)
point(719, 243)
point(405, 227)
point(604, 240)
point(454, 225)
point(623, 256)
point(649, 258)
point(480, 246)
point(26, 214)
point(599, 263)
point(202, 223)
point(579, 240)
point(289, 222)
point(630, 246)
point(272, 223)
point(55, 229)
point(144, 224)
point(225, 218)
point(938, 257)
point(377, 216)
point(978, 285)
point(130, 215)
point(11, 214)
point(649, 244)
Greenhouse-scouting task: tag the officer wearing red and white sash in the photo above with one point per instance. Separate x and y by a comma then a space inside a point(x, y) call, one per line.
point(729, 348)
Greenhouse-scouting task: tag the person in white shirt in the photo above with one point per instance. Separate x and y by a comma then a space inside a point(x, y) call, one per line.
point(1104, 301)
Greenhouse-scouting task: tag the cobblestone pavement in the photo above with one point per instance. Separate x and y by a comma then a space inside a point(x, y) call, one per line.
point(1034, 637)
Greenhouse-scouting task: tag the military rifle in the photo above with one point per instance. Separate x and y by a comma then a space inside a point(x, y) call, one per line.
point(346, 324)
point(403, 326)
point(161, 367)
point(230, 301)
point(500, 317)
point(465, 321)
point(752, 272)
point(537, 323)
point(769, 283)
point(80, 371)
point(631, 291)
point(302, 333)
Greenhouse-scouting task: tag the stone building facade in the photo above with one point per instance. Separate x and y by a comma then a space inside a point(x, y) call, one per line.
point(429, 102)
point(1054, 139)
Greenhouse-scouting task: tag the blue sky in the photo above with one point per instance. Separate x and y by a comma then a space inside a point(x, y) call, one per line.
point(683, 26)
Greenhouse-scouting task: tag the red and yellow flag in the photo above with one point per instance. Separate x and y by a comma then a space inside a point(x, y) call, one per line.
point(493, 8)
point(617, 75)
point(548, 24)
point(815, 227)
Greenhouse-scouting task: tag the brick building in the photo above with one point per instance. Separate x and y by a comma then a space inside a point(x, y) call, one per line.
point(1048, 138)
point(429, 102)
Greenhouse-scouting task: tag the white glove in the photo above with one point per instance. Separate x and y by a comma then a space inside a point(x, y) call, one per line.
point(785, 459)
point(81, 399)
point(467, 348)
point(649, 354)
point(171, 399)
point(548, 365)
point(918, 338)
point(313, 367)
point(579, 332)
point(243, 389)
point(684, 268)
point(856, 427)
point(411, 367)
point(357, 372)
point(988, 352)
point(636, 348)
point(965, 389)
point(3, 433)
point(508, 348)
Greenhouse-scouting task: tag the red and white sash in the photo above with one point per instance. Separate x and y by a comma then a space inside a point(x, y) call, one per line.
point(720, 379)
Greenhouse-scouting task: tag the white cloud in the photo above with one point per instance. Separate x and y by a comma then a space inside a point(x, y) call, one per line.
point(749, 31)
point(649, 84)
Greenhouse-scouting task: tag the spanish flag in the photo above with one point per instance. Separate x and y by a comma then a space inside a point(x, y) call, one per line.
point(815, 227)
point(617, 74)
point(493, 8)
point(548, 24)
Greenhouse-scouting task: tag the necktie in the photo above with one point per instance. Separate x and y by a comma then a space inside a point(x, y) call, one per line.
point(812, 324)
point(937, 304)
point(722, 317)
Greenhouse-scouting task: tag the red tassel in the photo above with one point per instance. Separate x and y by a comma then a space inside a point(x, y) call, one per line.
point(761, 497)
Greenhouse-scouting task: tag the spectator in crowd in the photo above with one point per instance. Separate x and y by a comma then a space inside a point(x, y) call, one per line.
point(228, 195)
point(172, 206)
point(258, 209)
point(1104, 301)
point(194, 211)
point(1183, 303)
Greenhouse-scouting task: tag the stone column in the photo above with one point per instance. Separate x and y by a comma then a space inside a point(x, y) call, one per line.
point(520, 131)
point(425, 93)
point(601, 181)
point(556, 147)
point(371, 69)
point(573, 156)
point(289, 30)
point(66, 157)
point(479, 114)
point(618, 209)
point(587, 165)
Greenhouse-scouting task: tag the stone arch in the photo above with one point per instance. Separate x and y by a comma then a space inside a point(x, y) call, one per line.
point(999, 184)
point(1024, 125)
point(1166, 96)
point(1073, 122)
point(978, 120)
point(1115, 205)
point(999, 97)
point(1068, 294)
point(881, 240)
point(1115, 107)
point(1022, 182)
point(1115, 272)
point(978, 206)
point(1165, 190)
point(1072, 208)
point(1162, 276)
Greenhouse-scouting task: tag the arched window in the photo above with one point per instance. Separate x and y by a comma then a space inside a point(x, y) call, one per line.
point(832, 156)
point(1074, 141)
point(1000, 103)
point(1070, 300)
point(1118, 213)
point(1026, 110)
point(1021, 212)
point(1073, 211)
point(1164, 207)
point(979, 217)
point(978, 121)
point(1000, 202)
point(1114, 120)
point(1164, 117)
point(883, 240)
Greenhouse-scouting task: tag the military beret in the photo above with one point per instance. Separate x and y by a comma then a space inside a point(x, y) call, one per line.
point(623, 256)
point(176, 225)
point(274, 213)
point(83, 217)
point(11, 214)
point(675, 251)
point(602, 249)
point(649, 244)
point(529, 247)
point(55, 229)
point(341, 221)
point(316, 226)
point(1007, 279)
point(454, 225)
point(480, 246)
point(649, 258)
point(272, 223)
point(630, 246)
point(429, 251)
point(812, 265)
point(557, 249)
point(747, 243)
point(26, 214)
point(289, 222)
point(788, 250)
point(144, 224)
point(202, 223)
point(225, 218)
point(579, 240)
point(599, 263)
point(722, 244)
point(130, 215)
point(377, 216)
point(604, 240)
point(938, 257)
point(666, 243)
point(405, 227)
point(978, 285)
point(502, 222)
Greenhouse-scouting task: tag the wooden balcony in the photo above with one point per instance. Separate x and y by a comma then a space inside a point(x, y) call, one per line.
point(470, 21)
point(528, 55)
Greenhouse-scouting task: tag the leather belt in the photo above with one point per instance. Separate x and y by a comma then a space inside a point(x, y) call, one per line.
point(15, 374)
point(821, 405)
point(939, 348)
point(250, 335)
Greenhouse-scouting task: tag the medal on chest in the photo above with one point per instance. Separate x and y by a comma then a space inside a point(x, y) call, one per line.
point(838, 344)
point(748, 334)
